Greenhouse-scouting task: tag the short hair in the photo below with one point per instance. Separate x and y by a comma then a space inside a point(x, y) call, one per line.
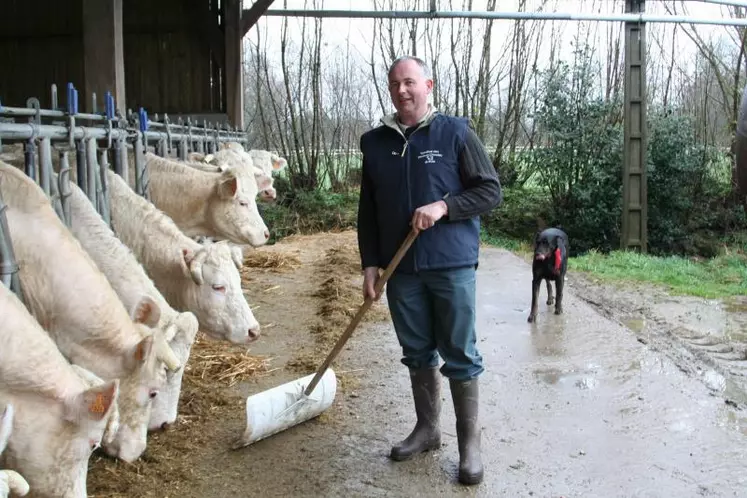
point(426, 69)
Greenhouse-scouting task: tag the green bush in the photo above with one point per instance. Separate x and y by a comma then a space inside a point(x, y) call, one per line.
point(522, 211)
point(688, 188)
point(298, 211)
point(579, 167)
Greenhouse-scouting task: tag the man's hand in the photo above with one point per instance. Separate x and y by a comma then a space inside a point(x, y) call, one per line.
point(426, 216)
point(370, 277)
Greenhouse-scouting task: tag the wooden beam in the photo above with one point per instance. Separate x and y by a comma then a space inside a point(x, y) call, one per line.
point(251, 15)
point(232, 70)
point(103, 54)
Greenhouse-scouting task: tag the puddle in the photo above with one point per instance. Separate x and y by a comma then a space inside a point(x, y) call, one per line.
point(735, 421)
point(714, 381)
point(635, 324)
point(584, 380)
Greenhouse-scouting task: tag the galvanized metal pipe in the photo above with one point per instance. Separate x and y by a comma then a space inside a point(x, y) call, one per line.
point(124, 161)
point(185, 128)
point(181, 151)
point(63, 186)
point(29, 155)
point(533, 16)
point(118, 167)
point(141, 181)
point(8, 266)
point(26, 131)
point(23, 112)
point(81, 166)
point(102, 188)
point(54, 197)
point(46, 176)
point(161, 148)
point(45, 164)
point(91, 170)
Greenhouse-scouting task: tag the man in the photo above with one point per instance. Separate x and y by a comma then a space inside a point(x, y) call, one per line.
point(428, 171)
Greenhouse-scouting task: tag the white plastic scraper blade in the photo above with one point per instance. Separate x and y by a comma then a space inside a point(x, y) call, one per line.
point(272, 411)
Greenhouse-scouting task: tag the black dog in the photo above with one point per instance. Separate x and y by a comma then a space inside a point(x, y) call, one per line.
point(550, 263)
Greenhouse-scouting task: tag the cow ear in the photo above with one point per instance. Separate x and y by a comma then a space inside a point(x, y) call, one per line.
point(146, 311)
point(229, 185)
point(278, 163)
point(92, 404)
point(139, 353)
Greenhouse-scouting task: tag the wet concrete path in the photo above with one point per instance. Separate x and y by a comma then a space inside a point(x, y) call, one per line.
point(571, 406)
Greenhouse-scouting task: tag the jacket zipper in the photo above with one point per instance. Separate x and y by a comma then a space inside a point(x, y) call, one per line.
point(409, 191)
point(409, 197)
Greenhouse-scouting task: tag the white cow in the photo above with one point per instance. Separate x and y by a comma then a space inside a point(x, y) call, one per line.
point(10, 480)
point(59, 420)
point(130, 281)
point(222, 206)
point(202, 279)
point(76, 305)
point(261, 163)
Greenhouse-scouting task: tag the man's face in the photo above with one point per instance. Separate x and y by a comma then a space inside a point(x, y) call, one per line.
point(409, 89)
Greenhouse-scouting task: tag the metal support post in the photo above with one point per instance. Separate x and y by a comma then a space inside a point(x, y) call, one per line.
point(634, 232)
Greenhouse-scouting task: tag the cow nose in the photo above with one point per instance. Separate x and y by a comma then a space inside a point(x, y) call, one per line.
point(253, 334)
point(165, 426)
point(267, 234)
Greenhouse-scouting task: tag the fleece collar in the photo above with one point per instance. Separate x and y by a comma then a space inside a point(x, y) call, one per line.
point(391, 120)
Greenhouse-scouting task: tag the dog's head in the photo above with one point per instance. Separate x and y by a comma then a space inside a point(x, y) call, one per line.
point(545, 246)
point(548, 249)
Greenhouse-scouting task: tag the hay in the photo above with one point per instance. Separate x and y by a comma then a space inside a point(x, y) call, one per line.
point(343, 259)
point(306, 362)
point(340, 298)
point(213, 361)
point(167, 464)
point(272, 260)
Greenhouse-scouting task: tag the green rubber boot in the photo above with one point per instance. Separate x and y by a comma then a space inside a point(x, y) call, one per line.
point(465, 395)
point(426, 388)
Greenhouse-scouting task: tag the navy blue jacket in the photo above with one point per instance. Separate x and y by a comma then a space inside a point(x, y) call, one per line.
point(401, 174)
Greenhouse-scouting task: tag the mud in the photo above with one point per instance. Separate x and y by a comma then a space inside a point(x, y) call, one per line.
point(706, 338)
point(573, 405)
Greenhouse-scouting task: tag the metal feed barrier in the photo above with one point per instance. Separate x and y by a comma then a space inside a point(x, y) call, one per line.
point(98, 139)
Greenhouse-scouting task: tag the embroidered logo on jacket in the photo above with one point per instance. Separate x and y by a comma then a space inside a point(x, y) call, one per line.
point(429, 156)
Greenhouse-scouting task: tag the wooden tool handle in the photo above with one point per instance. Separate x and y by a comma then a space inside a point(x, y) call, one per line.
point(362, 310)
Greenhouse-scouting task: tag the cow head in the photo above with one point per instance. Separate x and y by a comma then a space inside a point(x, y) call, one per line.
point(216, 297)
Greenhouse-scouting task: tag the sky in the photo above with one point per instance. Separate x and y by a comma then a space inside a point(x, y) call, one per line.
point(337, 32)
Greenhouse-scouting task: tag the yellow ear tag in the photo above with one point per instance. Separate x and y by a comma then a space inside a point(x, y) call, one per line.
point(97, 406)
